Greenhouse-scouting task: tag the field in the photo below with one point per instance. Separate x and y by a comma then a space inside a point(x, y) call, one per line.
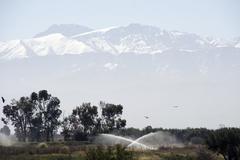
point(84, 151)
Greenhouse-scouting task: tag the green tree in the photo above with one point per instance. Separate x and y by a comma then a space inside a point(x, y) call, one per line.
point(36, 129)
point(111, 117)
point(35, 117)
point(225, 141)
point(20, 114)
point(87, 116)
point(46, 120)
point(67, 129)
point(81, 123)
point(147, 130)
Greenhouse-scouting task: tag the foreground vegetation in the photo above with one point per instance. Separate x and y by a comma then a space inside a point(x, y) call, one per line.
point(36, 119)
point(76, 151)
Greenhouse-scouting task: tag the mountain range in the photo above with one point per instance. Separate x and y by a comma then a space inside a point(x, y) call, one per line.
point(145, 68)
point(134, 38)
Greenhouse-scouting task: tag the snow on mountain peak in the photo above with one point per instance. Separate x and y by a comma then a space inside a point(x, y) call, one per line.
point(133, 38)
point(12, 49)
point(139, 39)
point(98, 31)
point(51, 44)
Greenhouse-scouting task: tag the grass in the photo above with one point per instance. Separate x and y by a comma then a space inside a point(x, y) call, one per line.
point(43, 157)
point(82, 151)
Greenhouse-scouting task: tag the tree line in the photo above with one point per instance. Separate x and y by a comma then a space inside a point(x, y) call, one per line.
point(224, 141)
point(37, 118)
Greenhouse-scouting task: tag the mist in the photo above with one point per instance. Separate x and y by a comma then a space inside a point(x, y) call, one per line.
point(149, 141)
point(5, 140)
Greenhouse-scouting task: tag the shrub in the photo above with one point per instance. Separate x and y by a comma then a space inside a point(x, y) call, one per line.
point(42, 145)
point(110, 153)
point(203, 154)
point(65, 150)
point(178, 157)
point(122, 153)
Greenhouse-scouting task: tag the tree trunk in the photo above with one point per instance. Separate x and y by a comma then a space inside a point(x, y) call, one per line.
point(52, 136)
point(47, 134)
point(224, 156)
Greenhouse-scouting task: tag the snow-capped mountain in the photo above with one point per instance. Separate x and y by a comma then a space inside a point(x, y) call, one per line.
point(136, 65)
point(134, 38)
point(141, 39)
point(52, 44)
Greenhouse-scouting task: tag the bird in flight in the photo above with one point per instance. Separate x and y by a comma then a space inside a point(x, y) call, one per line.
point(146, 117)
point(3, 100)
point(175, 106)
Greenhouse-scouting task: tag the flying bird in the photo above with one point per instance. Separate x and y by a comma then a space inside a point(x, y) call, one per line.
point(175, 106)
point(146, 117)
point(3, 100)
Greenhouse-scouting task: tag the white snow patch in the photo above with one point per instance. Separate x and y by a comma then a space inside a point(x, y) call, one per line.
point(110, 66)
point(186, 50)
point(101, 31)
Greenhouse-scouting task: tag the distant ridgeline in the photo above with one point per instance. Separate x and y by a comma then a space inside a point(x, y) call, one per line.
point(135, 39)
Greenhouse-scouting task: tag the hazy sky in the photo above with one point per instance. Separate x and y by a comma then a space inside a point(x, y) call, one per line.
point(25, 18)
point(205, 101)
